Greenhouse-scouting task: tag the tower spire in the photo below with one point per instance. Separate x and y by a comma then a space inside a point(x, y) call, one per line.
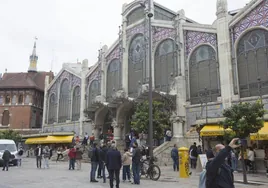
point(33, 59)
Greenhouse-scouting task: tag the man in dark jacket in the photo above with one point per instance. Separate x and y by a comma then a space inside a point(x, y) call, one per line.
point(103, 159)
point(6, 158)
point(114, 163)
point(136, 157)
point(94, 163)
point(38, 154)
point(219, 174)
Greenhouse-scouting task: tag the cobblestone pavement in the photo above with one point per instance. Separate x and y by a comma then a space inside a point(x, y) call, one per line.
point(58, 176)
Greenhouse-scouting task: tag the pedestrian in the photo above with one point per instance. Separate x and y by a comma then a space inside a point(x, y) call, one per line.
point(59, 154)
point(218, 173)
point(6, 158)
point(94, 163)
point(100, 168)
point(127, 140)
point(19, 156)
point(175, 157)
point(114, 163)
point(103, 158)
point(168, 135)
point(38, 154)
point(78, 158)
point(234, 161)
point(127, 161)
point(72, 155)
point(193, 156)
point(46, 155)
point(92, 139)
point(136, 158)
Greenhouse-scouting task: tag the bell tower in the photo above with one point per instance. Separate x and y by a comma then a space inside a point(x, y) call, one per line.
point(33, 59)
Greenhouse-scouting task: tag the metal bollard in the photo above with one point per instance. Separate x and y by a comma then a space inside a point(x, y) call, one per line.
point(184, 162)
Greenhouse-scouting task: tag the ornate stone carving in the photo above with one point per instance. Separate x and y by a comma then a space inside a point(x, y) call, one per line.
point(114, 124)
point(143, 89)
point(115, 54)
point(135, 30)
point(161, 33)
point(222, 8)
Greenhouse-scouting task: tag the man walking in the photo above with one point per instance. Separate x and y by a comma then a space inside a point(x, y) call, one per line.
point(38, 154)
point(136, 157)
point(175, 157)
point(6, 158)
point(94, 163)
point(114, 164)
point(219, 173)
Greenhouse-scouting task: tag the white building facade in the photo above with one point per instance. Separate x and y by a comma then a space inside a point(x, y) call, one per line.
point(198, 69)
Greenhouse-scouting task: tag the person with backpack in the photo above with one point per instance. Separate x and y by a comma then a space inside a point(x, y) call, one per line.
point(193, 156)
point(6, 158)
point(19, 156)
point(94, 156)
point(175, 157)
point(136, 158)
point(217, 173)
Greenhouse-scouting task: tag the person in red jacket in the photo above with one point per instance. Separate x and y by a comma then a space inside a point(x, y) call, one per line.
point(72, 156)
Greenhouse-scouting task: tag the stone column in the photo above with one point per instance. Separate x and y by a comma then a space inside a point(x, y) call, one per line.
point(181, 54)
point(125, 55)
point(45, 109)
point(83, 101)
point(104, 49)
point(224, 53)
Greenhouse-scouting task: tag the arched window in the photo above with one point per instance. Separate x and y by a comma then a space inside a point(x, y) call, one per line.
point(5, 118)
point(64, 102)
point(135, 15)
point(52, 109)
point(7, 99)
point(252, 63)
point(165, 65)
point(113, 78)
point(27, 99)
point(136, 63)
point(76, 104)
point(204, 75)
point(20, 100)
point(93, 91)
point(14, 99)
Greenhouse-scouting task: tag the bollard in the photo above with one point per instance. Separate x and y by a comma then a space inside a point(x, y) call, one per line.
point(184, 162)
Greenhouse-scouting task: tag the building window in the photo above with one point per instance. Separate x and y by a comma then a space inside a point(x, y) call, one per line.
point(1, 99)
point(135, 15)
point(76, 104)
point(27, 99)
point(93, 91)
point(204, 75)
point(5, 118)
point(165, 65)
point(136, 64)
point(7, 99)
point(20, 100)
point(52, 109)
point(113, 78)
point(64, 102)
point(14, 99)
point(252, 63)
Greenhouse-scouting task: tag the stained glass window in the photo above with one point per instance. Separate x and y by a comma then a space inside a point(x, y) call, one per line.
point(135, 15)
point(76, 104)
point(52, 109)
point(64, 102)
point(165, 65)
point(94, 91)
point(204, 74)
point(136, 64)
point(113, 78)
point(252, 63)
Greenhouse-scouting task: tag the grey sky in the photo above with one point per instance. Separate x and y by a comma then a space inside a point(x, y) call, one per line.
point(73, 29)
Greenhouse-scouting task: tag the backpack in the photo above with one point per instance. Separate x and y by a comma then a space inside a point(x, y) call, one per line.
point(90, 152)
point(203, 178)
point(20, 152)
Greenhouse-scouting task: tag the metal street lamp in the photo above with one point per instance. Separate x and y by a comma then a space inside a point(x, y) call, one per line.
point(206, 102)
point(150, 15)
point(260, 88)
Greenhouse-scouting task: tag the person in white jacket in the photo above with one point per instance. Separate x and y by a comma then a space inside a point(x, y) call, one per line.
point(251, 157)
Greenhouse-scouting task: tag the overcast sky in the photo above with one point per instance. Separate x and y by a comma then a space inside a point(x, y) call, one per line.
point(68, 30)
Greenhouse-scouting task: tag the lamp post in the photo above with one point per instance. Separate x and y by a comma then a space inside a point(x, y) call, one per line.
point(150, 15)
point(206, 102)
point(260, 88)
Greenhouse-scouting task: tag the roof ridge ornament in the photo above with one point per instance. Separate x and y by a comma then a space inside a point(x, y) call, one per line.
point(222, 8)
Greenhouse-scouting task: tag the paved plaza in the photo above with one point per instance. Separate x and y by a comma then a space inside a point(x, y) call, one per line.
point(58, 176)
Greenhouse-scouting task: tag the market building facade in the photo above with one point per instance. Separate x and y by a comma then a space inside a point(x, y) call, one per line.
point(199, 69)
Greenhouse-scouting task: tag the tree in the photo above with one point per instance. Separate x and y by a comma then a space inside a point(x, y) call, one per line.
point(243, 119)
point(10, 134)
point(161, 118)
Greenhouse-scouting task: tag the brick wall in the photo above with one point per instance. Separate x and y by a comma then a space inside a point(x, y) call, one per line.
point(18, 114)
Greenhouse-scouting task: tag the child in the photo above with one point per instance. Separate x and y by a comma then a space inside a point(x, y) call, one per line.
point(126, 165)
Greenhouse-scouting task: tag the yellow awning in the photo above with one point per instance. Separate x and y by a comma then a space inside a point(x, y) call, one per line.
point(38, 140)
point(213, 130)
point(262, 134)
point(59, 139)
